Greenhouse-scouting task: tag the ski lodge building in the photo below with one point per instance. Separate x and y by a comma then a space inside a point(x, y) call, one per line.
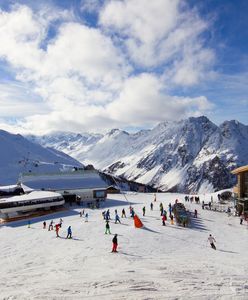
point(78, 186)
point(241, 190)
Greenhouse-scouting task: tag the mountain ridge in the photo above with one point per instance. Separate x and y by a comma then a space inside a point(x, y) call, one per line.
point(191, 155)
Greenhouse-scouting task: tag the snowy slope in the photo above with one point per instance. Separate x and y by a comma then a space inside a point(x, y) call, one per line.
point(188, 155)
point(154, 263)
point(19, 155)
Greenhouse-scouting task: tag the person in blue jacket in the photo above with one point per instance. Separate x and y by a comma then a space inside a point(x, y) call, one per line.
point(69, 233)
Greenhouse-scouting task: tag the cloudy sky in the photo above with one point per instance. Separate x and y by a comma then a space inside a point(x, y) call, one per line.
point(93, 65)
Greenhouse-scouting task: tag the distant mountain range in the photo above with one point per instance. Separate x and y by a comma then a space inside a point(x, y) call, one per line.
point(192, 155)
point(19, 155)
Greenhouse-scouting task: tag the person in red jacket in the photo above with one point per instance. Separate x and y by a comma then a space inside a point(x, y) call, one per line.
point(115, 243)
point(163, 220)
point(57, 227)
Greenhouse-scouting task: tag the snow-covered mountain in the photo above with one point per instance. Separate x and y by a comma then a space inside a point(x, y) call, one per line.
point(19, 155)
point(189, 155)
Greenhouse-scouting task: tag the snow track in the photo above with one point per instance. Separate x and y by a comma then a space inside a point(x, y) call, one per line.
point(158, 262)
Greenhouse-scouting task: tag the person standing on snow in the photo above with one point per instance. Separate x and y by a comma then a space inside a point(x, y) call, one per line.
point(195, 214)
point(211, 240)
point(144, 211)
point(57, 226)
point(161, 209)
point(123, 213)
point(107, 215)
point(163, 220)
point(44, 225)
point(50, 227)
point(86, 217)
point(151, 205)
point(117, 219)
point(115, 243)
point(69, 233)
point(107, 228)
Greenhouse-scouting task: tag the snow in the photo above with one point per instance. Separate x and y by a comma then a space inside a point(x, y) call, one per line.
point(63, 181)
point(35, 195)
point(205, 187)
point(155, 262)
point(18, 155)
point(187, 145)
point(9, 188)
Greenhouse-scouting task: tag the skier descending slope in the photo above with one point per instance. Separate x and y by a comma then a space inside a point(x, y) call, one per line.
point(115, 243)
point(211, 240)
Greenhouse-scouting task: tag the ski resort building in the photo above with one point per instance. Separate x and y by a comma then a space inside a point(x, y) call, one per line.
point(241, 190)
point(11, 190)
point(30, 202)
point(78, 186)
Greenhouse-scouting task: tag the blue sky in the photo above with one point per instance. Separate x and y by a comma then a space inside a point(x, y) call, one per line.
point(96, 65)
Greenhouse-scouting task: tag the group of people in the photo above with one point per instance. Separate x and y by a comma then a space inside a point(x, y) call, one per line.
point(57, 227)
point(192, 199)
point(107, 218)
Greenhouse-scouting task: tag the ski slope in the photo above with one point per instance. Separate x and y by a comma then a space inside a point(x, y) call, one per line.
point(155, 262)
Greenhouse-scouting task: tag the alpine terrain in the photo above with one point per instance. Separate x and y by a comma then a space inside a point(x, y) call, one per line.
point(192, 155)
point(19, 155)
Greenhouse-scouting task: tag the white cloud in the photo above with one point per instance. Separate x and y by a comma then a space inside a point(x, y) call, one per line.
point(86, 79)
point(161, 32)
point(90, 6)
point(142, 100)
point(17, 101)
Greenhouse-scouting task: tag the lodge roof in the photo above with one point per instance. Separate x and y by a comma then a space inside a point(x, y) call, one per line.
point(240, 170)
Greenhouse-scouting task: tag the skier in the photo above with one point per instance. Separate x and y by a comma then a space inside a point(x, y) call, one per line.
point(172, 221)
point(170, 209)
point(107, 228)
point(117, 219)
point(44, 225)
point(104, 215)
point(123, 213)
point(29, 223)
point(211, 240)
point(115, 243)
point(69, 233)
point(161, 209)
point(241, 219)
point(203, 204)
point(57, 226)
point(155, 199)
point(86, 217)
point(107, 215)
point(60, 222)
point(50, 227)
point(144, 211)
point(163, 220)
point(151, 205)
point(132, 212)
point(195, 214)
